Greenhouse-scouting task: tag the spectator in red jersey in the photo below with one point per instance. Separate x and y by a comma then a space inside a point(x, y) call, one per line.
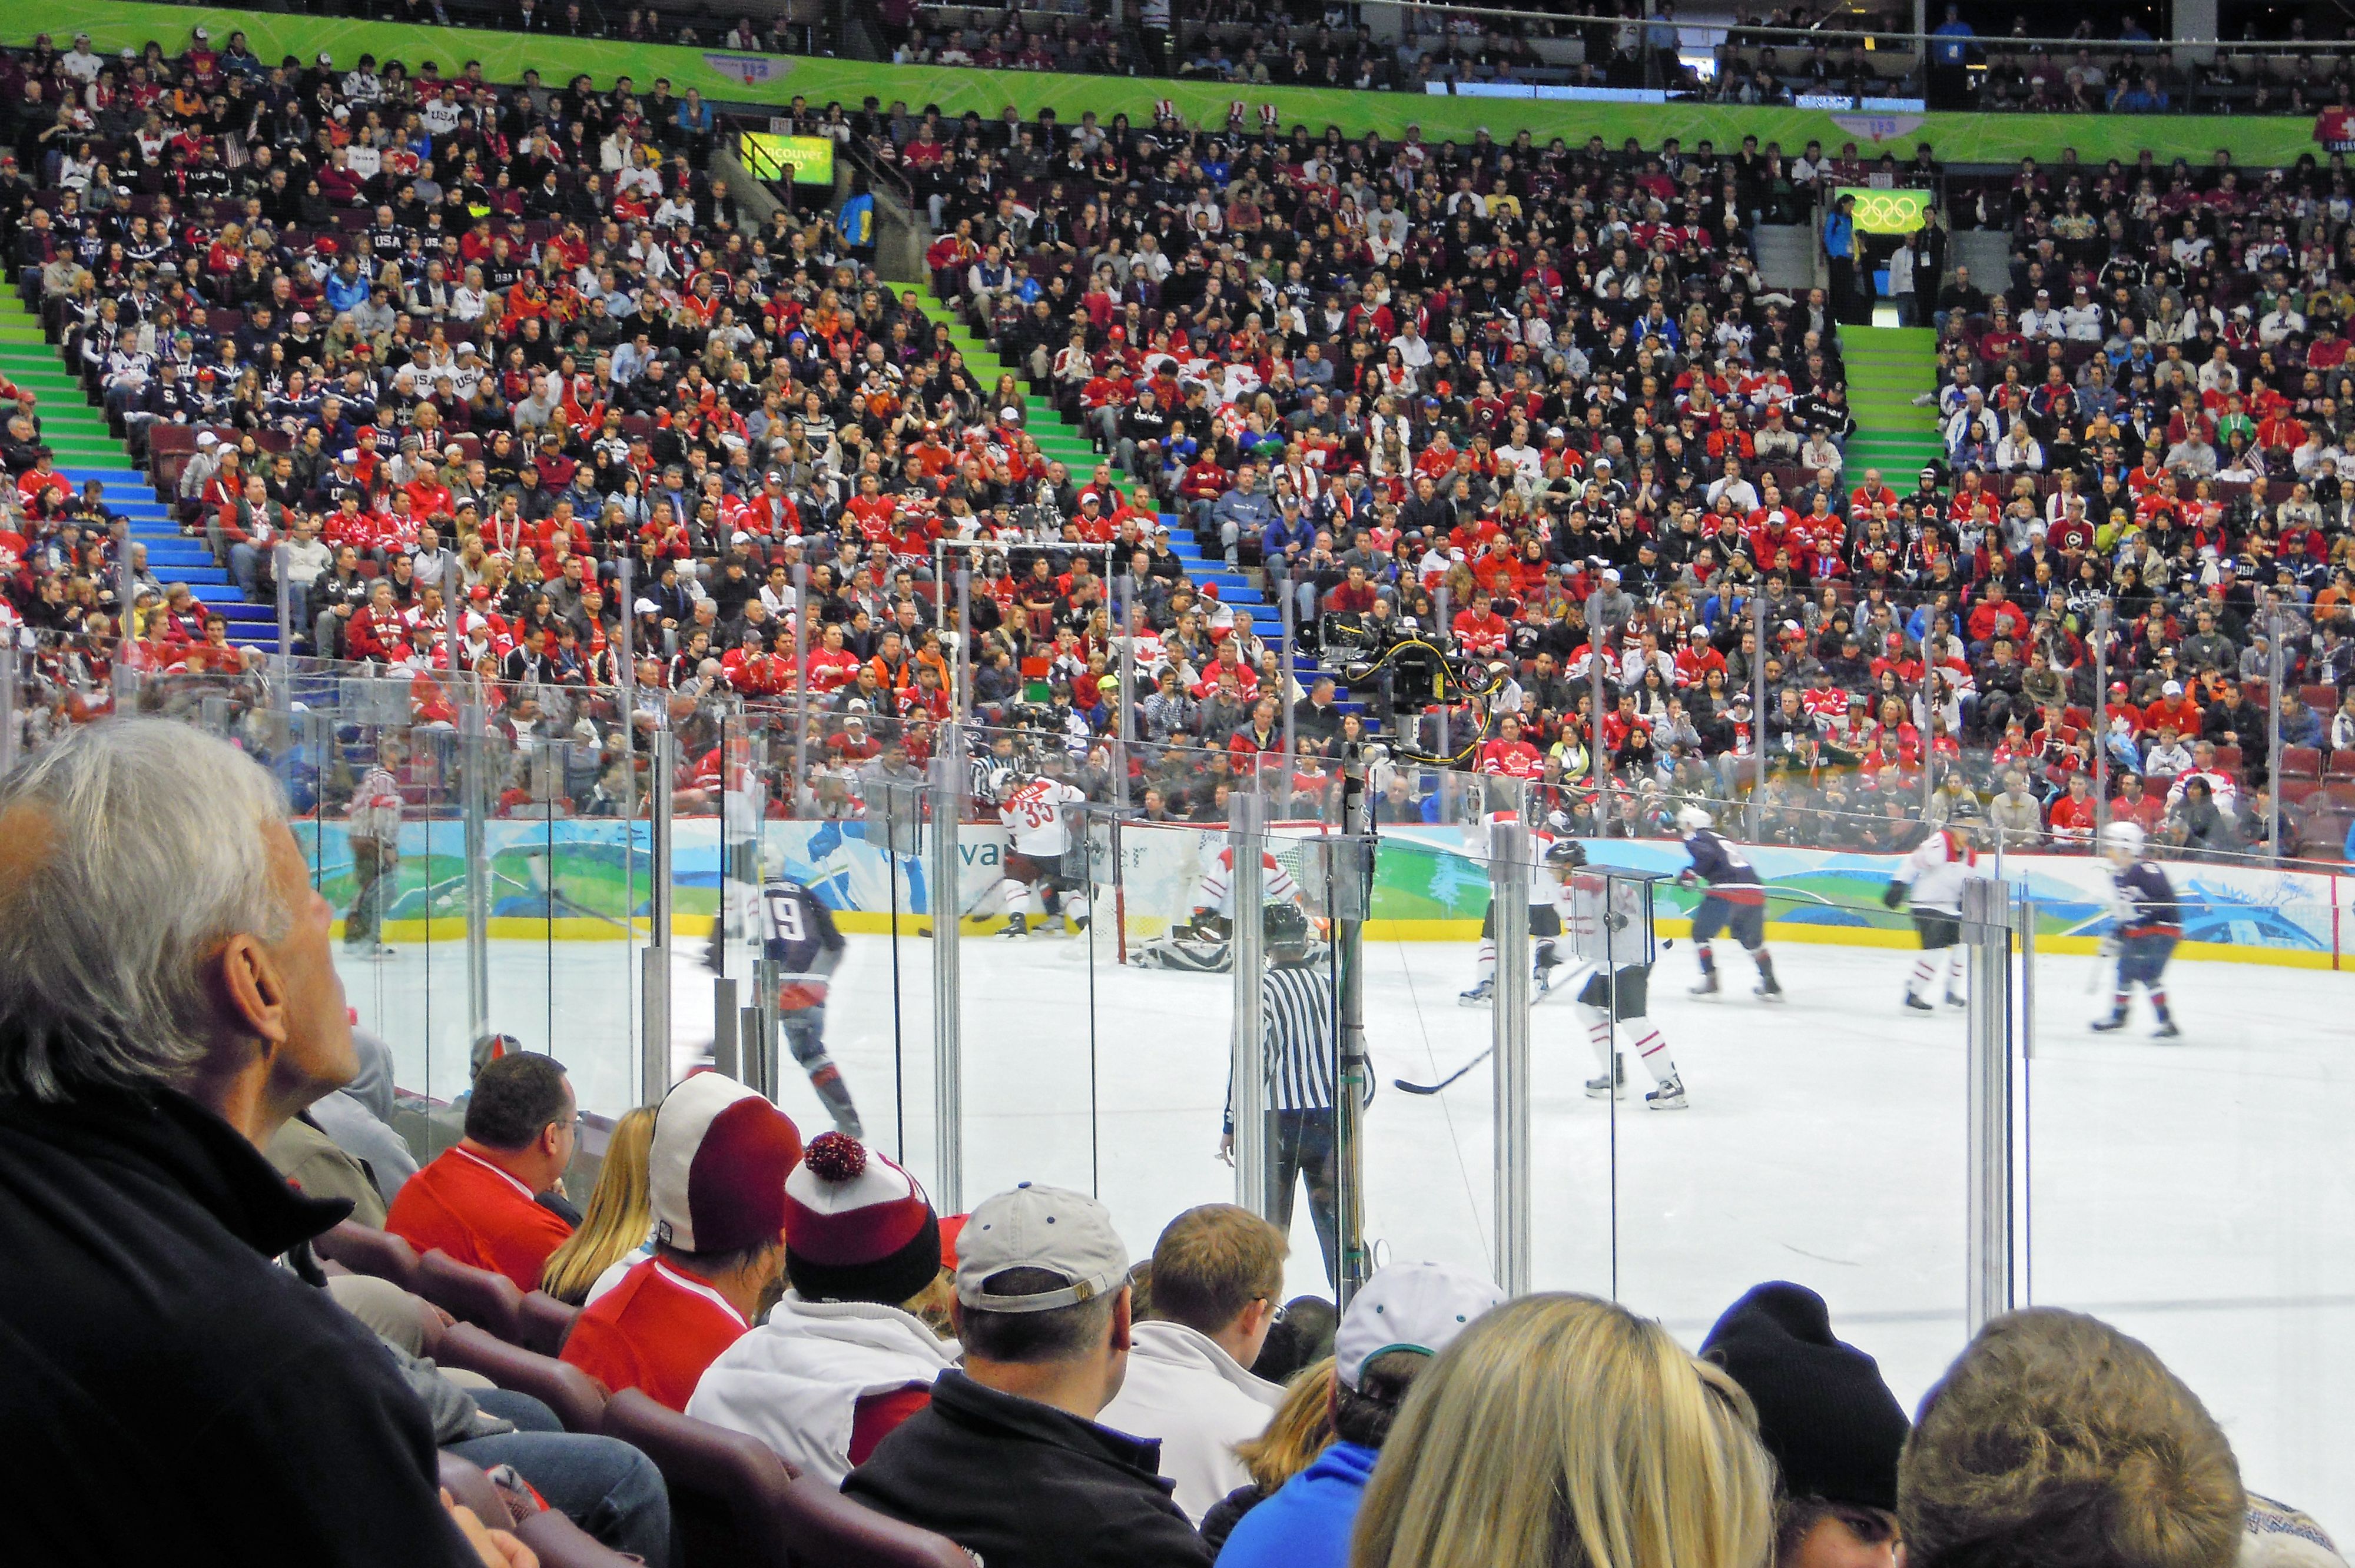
point(854, 1348)
point(2072, 814)
point(716, 1177)
point(480, 1201)
point(1508, 755)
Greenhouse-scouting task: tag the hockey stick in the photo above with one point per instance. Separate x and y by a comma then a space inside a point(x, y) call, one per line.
point(1403, 1085)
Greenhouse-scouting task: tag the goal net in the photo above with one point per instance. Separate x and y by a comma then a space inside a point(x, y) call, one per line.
point(1153, 884)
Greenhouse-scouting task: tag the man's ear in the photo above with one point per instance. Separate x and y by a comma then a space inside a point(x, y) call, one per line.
point(249, 991)
point(1122, 1324)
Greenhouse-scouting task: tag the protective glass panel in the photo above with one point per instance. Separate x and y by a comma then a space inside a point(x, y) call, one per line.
point(2188, 1187)
point(1161, 990)
point(1820, 1136)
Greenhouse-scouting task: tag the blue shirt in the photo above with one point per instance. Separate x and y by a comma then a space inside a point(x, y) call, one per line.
point(1306, 1523)
point(1954, 51)
point(1839, 236)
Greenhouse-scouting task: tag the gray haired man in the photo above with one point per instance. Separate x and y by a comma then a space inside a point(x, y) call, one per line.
point(168, 999)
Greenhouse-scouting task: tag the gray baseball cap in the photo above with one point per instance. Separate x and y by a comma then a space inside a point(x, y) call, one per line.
point(1061, 1231)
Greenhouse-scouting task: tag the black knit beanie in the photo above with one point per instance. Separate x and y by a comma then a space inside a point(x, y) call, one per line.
point(1823, 1412)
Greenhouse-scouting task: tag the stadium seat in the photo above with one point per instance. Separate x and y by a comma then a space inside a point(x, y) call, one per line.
point(2295, 790)
point(2321, 696)
point(2228, 757)
point(545, 1323)
point(2300, 762)
point(578, 1399)
point(727, 1490)
point(2342, 764)
point(365, 1251)
point(472, 1295)
point(821, 1525)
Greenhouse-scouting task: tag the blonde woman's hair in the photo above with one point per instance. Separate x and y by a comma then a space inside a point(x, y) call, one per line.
point(1301, 1429)
point(1564, 1432)
point(2055, 1440)
point(621, 1212)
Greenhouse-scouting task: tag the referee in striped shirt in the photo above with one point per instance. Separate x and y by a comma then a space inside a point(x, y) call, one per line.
point(1297, 1019)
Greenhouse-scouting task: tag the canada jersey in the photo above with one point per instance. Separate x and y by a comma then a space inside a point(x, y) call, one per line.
point(1216, 890)
point(1034, 818)
point(798, 934)
point(1540, 841)
point(2147, 905)
point(1604, 917)
point(1937, 869)
point(1727, 872)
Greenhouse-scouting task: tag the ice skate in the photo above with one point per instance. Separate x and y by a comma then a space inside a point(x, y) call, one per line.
point(1613, 1084)
point(1669, 1095)
point(1538, 983)
point(2113, 1022)
point(1017, 925)
point(2167, 1030)
point(1480, 995)
point(1954, 1001)
point(1917, 1004)
point(1768, 989)
point(1707, 987)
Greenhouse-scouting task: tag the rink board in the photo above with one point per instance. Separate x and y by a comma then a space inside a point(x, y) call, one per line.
point(587, 880)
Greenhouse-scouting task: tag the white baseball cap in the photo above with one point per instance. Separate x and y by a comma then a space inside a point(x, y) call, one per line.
point(1418, 1306)
point(2172, 689)
point(1053, 1229)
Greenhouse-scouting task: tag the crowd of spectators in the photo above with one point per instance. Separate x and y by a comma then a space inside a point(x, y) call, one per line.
point(510, 379)
point(1009, 1380)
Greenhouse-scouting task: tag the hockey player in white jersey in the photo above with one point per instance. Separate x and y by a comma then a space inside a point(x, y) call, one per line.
point(1934, 875)
point(1545, 923)
point(1591, 909)
point(1199, 943)
point(1037, 812)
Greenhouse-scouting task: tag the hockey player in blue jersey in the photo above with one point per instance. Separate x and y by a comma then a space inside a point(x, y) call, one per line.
point(798, 934)
point(1736, 901)
point(2149, 924)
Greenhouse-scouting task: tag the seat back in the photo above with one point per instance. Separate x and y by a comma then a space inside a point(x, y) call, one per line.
point(364, 1250)
point(578, 1399)
point(472, 1295)
point(726, 1491)
point(820, 1525)
point(546, 1322)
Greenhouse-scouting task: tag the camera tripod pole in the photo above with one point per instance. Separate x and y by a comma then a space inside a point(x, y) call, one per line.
point(1349, 891)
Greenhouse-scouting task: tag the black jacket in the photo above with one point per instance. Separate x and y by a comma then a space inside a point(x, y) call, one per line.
point(1027, 1486)
point(168, 1392)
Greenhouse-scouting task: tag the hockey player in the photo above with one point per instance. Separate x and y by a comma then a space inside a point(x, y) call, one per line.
point(1614, 990)
point(2149, 924)
point(798, 934)
point(1545, 925)
point(1933, 874)
point(1199, 943)
point(1736, 901)
point(1039, 834)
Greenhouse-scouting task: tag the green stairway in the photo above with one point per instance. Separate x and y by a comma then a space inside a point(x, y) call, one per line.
point(1888, 367)
point(1056, 441)
point(1059, 442)
point(69, 423)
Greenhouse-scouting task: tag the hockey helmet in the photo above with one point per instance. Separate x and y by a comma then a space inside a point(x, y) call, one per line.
point(1284, 928)
point(1565, 855)
point(2122, 840)
point(1692, 819)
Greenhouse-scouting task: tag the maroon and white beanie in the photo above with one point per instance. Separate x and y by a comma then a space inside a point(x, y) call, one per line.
point(718, 1165)
point(857, 1228)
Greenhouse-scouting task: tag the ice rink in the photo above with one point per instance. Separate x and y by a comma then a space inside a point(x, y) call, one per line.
point(2196, 1192)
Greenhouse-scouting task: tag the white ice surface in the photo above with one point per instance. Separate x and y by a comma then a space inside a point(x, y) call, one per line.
point(2198, 1193)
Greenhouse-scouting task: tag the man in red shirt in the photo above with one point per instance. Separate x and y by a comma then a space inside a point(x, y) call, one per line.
point(717, 1176)
point(479, 1201)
